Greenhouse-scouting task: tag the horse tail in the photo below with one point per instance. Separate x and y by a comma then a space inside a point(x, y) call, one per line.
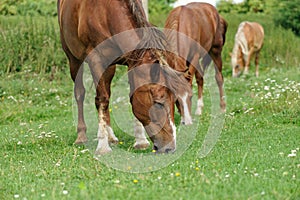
point(223, 26)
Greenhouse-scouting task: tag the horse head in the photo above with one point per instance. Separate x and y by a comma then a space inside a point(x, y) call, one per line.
point(154, 88)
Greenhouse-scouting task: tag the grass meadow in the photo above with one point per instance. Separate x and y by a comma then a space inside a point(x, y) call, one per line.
point(256, 156)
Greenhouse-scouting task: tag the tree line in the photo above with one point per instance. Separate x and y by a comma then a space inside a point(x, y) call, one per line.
point(285, 13)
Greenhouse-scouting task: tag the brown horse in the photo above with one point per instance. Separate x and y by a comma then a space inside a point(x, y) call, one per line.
point(196, 31)
point(105, 33)
point(248, 41)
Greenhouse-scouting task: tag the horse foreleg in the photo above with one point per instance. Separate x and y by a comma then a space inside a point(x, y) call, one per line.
point(200, 104)
point(102, 82)
point(206, 60)
point(141, 141)
point(248, 59)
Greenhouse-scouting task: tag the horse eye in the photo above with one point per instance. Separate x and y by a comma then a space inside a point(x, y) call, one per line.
point(237, 66)
point(159, 105)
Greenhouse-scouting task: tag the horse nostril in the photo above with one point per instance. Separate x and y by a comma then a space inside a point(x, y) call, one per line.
point(155, 148)
point(183, 123)
point(168, 150)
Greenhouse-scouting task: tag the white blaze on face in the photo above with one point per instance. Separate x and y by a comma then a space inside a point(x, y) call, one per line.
point(174, 131)
point(187, 118)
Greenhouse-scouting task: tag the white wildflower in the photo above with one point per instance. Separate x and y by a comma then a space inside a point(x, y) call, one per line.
point(292, 155)
point(266, 88)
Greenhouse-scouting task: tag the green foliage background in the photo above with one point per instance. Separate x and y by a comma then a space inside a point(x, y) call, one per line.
point(288, 15)
point(28, 7)
point(284, 13)
point(48, 7)
point(31, 28)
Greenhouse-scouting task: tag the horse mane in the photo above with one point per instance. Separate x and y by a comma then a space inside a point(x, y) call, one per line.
point(237, 43)
point(138, 13)
point(155, 41)
point(151, 37)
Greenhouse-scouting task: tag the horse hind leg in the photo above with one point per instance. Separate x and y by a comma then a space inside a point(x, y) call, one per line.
point(247, 61)
point(219, 77)
point(256, 64)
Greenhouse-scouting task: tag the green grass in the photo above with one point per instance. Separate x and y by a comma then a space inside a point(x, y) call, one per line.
point(250, 160)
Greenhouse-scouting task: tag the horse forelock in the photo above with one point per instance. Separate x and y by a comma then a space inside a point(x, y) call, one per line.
point(175, 81)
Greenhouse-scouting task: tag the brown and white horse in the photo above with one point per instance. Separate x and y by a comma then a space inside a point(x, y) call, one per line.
point(196, 31)
point(248, 41)
point(105, 33)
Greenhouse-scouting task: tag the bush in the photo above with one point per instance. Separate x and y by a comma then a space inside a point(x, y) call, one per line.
point(247, 6)
point(28, 7)
point(288, 16)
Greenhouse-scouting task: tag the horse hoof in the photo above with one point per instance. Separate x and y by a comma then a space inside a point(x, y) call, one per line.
point(113, 140)
point(102, 151)
point(81, 139)
point(198, 112)
point(141, 146)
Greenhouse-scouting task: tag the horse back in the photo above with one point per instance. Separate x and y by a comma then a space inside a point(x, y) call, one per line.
point(254, 34)
point(86, 24)
point(201, 24)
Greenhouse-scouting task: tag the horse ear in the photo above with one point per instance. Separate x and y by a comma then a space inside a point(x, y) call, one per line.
point(155, 73)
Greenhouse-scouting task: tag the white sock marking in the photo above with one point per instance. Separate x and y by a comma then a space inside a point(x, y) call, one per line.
point(139, 134)
point(200, 105)
point(102, 136)
point(186, 118)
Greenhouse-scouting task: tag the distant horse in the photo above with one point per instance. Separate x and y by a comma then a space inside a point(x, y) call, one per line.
point(248, 41)
point(196, 31)
point(112, 25)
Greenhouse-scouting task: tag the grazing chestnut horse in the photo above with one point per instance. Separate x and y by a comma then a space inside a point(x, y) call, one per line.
point(105, 33)
point(248, 41)
point(196, 31)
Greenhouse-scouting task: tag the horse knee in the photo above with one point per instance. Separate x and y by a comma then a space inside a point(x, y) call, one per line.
point(102, 103)
point(79, 93)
